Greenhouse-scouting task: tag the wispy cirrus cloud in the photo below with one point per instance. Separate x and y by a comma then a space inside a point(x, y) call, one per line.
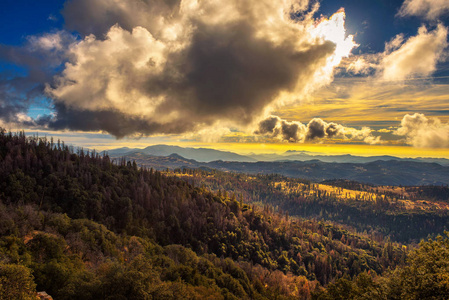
point(429, 9)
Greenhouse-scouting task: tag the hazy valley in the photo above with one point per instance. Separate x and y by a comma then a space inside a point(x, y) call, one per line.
point(383, 170)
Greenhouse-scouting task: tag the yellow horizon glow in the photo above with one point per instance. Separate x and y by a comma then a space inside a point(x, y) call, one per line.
point(315, 149)
point(91, 140)
point(331, 149)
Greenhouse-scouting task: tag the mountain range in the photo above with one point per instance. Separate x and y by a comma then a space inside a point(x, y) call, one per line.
point(198, 154)
point(390, 172)
point(209, 155)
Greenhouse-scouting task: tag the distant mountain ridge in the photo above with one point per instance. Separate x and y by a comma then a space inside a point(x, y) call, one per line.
point(209, 155)
point(345, 158)
point(392, 172)
point(198, 154)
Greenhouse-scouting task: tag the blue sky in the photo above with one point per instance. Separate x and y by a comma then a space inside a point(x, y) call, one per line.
point(43, 85)
point(373, 22)
point(22, 18)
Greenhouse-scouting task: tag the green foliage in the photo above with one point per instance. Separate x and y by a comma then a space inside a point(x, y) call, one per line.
point(89, 228)
point(378, 211)
point(16, 282)
point(426, 275)
point(141, 202)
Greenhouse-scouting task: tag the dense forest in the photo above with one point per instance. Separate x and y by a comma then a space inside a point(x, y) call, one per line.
point(404, 214)
point(78, 225)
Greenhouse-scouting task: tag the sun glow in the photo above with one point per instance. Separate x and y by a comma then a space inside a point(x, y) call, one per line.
point(333, 30)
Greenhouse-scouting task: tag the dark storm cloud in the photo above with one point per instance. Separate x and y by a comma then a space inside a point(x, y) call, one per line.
point(188, 66)
point(333, 129)
point(9, 106)
point(268, 126)
point(16, 95)
point(117, 123)
point(291, 131)
point(282, 129)
point(316, 129)
point(227, 73)
point(98, 16)
point(147, 67)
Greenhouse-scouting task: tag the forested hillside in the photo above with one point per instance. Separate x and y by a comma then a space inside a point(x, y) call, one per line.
point(391, 172)
point(80, 226)
point(405, 214)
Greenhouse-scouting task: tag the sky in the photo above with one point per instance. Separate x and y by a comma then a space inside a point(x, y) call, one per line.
point(337, 77)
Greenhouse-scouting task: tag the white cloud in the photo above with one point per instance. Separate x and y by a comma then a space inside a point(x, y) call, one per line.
point(362, 64)
point(429, 9)
point(111, 74)
point(418, 56)
point(421, 131)
point(58, 41)
point(191, 65)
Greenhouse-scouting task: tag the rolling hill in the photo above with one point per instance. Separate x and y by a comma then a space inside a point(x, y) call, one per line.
point(198, 154)
point(390, 172)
